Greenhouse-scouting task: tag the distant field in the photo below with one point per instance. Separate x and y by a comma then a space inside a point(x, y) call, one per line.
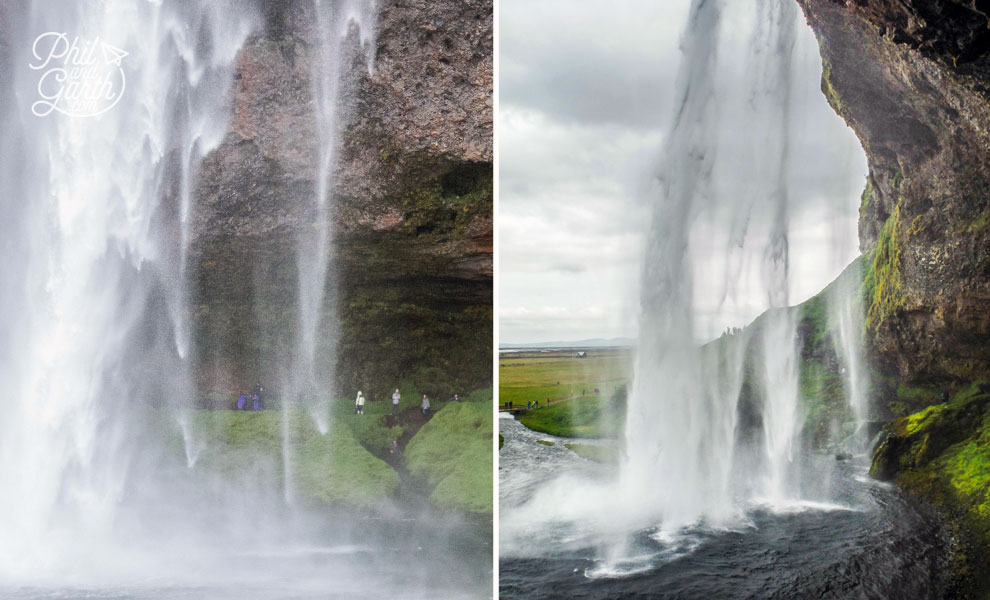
point(569, 383)
point(531, 376)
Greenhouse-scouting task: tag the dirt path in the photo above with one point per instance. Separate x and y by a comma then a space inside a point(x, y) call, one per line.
point(413, 493)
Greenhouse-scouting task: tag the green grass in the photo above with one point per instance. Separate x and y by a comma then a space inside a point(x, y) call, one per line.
point(602, 454)
point(586, 416)
point(330, 469)
point(527, 377)
point(545, 442)
point(530, 377)
point(371, 429)
point(336, 469)
point(453, 454)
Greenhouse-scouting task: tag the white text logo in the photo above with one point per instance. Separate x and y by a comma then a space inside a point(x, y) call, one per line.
point(79, 77)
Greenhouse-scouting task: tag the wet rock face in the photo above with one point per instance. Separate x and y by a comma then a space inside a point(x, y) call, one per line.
point(412, 191)
point(424, 111)
point(913, 81)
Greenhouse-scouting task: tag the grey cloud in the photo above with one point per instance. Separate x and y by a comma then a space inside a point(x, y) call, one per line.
point(587, 62)
point(585, 97)
point(568, 268)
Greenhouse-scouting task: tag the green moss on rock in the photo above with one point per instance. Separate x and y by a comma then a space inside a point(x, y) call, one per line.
point(942, 455)
point(866, 198)
point(823, 399)
point(828, 88)
point(885, 275)
point(447, 205)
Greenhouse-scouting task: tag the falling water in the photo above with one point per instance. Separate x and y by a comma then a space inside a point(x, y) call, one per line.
point(672, 423)
point(344, 27)
point(780, 349)
point(713, 434)
point(681, 432)
point(93, 321)
point(846, 315)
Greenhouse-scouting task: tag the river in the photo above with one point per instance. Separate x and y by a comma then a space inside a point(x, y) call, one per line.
point(866, 541)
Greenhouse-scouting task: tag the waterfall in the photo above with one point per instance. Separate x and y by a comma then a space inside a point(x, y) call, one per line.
point(674, 427)
point(846, 315)
point(682, 430)
point(345, 30)
point(93, 318)
point(776, 35)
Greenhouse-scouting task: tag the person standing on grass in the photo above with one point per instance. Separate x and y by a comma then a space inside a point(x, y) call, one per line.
point(426, 405)
point(359, 404)
point(395, 401)
point(258, 393)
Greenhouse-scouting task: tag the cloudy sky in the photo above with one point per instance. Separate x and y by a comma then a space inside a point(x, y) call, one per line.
point(586, 89)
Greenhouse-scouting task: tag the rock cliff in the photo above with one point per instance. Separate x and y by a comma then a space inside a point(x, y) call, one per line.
point(912, 79)
point(412, 265)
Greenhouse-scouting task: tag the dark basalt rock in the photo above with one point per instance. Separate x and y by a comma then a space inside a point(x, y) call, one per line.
point(911, 79)
point(413, 194)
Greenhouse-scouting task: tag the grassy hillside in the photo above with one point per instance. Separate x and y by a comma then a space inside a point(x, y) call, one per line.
point(453, 454)
point(375, 430)
point(332, 469)
point(583, 417)
point(569, 382)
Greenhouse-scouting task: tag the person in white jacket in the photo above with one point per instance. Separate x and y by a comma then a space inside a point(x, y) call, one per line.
point(359, 404)
point(426, 405)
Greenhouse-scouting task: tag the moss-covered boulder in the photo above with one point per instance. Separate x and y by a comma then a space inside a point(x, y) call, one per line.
point(596, 453)
point(942, 455)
